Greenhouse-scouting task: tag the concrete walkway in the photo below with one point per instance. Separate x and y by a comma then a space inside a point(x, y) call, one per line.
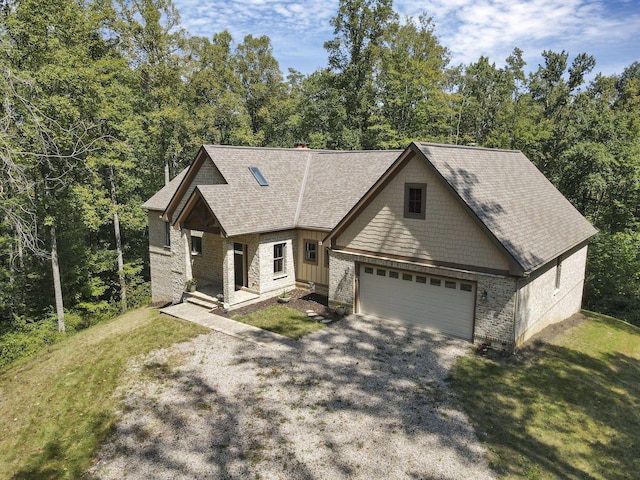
point(199, 315)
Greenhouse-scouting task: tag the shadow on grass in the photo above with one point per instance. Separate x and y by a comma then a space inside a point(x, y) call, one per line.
point(561, 414)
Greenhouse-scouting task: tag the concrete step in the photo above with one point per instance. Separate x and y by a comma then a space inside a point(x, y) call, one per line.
point(209, 305)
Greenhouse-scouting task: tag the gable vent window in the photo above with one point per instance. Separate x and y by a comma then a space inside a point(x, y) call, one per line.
point(259, 177)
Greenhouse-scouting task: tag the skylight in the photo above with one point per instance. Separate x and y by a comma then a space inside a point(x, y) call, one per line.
point(259, 177)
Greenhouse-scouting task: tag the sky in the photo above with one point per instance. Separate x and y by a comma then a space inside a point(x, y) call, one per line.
point(607, 29)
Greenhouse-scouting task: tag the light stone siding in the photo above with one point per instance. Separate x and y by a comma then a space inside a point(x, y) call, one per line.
point(447, 234)
point(541, 304)
point(180, 266)
point(168, 265)
point(261, 278)
point(494, 317)
point(208, 174)
point(207, 268)
point(269, 282)
point(228, 265)
point(342, 280)
point(160, 260)
point(253, 259)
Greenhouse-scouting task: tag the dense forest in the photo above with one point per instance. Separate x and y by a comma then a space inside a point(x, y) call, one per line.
point(103, 100)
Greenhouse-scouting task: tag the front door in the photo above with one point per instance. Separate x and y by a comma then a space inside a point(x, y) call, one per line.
point(241, 272)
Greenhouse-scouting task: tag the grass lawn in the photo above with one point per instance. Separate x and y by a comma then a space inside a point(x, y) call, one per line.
point(283, 320)
point(569, 410)
point(57, 407)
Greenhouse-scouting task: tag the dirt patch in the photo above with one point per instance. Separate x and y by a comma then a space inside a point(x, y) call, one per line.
point(301, 300)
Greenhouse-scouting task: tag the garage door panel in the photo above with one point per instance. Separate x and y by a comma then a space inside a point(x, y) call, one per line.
point(424, 300)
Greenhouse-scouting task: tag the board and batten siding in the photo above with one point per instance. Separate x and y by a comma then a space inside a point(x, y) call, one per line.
point(307, 272)
point(447, 234)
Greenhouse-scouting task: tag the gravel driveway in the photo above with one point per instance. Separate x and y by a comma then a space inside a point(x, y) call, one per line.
point(359, 399)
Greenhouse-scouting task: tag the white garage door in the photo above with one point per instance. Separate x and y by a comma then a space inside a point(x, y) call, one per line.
point(442, 304)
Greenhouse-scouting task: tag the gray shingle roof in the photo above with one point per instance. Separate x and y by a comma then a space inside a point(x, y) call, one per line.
point(307, 188)
point(518, 206)
point(513, 199)
point(336, 181)
point(162, 198)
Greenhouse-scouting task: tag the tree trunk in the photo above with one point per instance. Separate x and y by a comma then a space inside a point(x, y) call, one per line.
point(116, 230)
point(167, 176)
point(57, 284)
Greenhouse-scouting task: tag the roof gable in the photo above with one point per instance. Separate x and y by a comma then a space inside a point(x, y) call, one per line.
point(161, 199)
point(308, 188)
point(518, 205)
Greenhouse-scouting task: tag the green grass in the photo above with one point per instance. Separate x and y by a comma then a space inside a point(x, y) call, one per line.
point(58, 406)
point(571, 410)
point(283, 320)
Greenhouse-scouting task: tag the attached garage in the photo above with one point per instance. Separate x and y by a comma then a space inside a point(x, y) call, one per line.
point(442, 304)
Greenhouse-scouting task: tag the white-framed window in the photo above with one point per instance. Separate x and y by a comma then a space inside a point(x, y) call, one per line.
point(278, 258)
point(310, 251)
point(196, 245)
point(415, 200)
point(558, 273)
point(167, 234)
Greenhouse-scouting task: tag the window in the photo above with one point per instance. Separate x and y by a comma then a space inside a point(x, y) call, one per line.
point(393, 274)
point(436, 282)
point(368, 270)
point(448, 284)
point(259, 177)
point(558, 272)
point(382, 273)
point(326, 257)
point(196, 245)
point(420, 279)
point(407, 276)
point(415, 200)
point(167, 234)
point(465, 287)
point(311, 251)
point(278, 258)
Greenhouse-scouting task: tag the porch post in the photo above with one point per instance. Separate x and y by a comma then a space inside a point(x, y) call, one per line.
point(188, 272)
point(228, 282)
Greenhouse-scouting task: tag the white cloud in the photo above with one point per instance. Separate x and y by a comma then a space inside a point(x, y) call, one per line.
point(469, 28)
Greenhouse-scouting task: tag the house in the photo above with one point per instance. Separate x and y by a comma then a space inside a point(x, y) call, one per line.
point(472, 242)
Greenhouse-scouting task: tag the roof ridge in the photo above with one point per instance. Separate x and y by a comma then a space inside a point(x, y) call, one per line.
point(468, 147)
point(302, 189)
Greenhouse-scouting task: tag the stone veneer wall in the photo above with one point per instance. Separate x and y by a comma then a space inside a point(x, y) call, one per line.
point(494, 317)
point(159, 260)
point(207, 268)
point(261, 279)
point(540, 303)
point(268, 281)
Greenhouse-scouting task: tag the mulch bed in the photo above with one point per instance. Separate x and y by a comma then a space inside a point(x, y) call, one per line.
point(301, 300)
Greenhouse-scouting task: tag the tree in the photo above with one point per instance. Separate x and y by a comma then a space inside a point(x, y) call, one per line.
point(411, 85)
point(262, 85)
point(214, 91)
point(360, 29)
